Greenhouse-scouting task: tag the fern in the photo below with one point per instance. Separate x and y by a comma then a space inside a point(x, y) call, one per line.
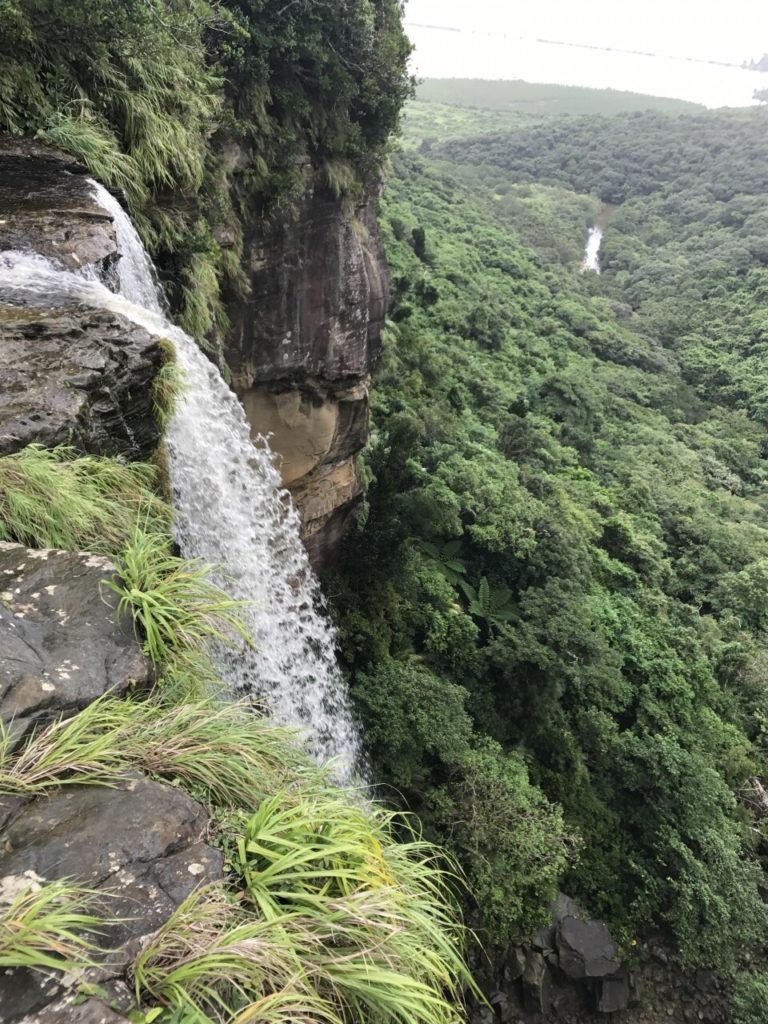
point(446, 559)
point(492, 605)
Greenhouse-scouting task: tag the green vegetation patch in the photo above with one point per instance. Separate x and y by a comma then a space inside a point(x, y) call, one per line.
point(331, 903)
point(558, 592)
point(542, 99)
point(155, 96)
point(58, 498)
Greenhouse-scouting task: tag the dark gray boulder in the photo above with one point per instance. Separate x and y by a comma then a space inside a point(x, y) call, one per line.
point(60, 644)
point(77, 376)
point(141, 844)
point(585, 949)
point(614, 992)
point(48, 207)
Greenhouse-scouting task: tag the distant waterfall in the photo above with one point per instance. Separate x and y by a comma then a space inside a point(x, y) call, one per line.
point(231, 508)
point(592, 251)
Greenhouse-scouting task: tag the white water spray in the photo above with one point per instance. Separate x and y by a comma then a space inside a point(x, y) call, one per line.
point(592, 251)
point(231, 508)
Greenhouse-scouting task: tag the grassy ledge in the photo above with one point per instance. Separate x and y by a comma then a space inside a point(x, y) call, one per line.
point(332, 909)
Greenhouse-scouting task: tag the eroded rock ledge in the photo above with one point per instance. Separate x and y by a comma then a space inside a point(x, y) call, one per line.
point(46, 206)
point(76, 376)
point(68, 373)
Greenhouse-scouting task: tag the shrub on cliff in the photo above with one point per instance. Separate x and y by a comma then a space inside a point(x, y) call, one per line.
point(124, 86)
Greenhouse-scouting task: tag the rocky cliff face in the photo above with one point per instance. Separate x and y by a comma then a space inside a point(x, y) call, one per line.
point(302, 346)
point(572, 972)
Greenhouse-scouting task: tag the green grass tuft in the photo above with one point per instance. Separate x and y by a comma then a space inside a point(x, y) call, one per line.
point(55, 498)
point(168, 385)
point(224, 751)
point(174, 605)
point(42, 925)
point(88, 139)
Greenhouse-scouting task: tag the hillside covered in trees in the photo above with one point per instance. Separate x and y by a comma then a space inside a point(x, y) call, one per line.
point(555, 613)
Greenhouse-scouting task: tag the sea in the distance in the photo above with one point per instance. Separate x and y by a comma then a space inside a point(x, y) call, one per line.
point(465, 53)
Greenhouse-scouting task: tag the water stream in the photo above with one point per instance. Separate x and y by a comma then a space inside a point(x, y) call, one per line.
point(230, 507)
point(592, 251)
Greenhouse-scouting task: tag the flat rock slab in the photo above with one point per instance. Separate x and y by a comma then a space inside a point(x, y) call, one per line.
point(141, 844)
point(77, 375)
point(47, 206)
point(61, 645)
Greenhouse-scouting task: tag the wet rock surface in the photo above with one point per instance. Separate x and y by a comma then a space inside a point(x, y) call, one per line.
point(302, 347)
point(69, 1010)
point(60, 644)
point(76, 376)
point(67, 375)
point(46, 207)
point(319, 291)
point(141, 844)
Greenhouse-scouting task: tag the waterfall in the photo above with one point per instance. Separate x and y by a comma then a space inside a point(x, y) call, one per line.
point(230, 508)
point(592, 251)
point(136, 272)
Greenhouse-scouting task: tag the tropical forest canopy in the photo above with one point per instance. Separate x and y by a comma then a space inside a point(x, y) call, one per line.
point(554, 615)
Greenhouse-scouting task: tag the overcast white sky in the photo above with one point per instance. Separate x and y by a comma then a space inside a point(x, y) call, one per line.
point(727, 30)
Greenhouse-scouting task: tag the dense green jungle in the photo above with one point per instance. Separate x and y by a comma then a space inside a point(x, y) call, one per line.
point(555, 614)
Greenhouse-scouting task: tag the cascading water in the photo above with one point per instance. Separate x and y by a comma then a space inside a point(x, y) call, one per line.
point(231, 509)
point(592, 251)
